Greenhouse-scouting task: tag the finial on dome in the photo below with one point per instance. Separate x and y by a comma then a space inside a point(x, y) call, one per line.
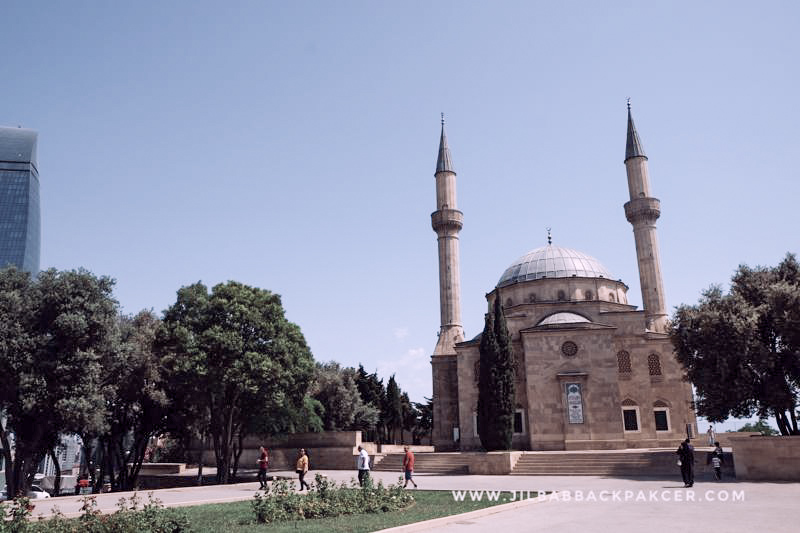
point(629, 103)
point(549, 237)
point(442, 119)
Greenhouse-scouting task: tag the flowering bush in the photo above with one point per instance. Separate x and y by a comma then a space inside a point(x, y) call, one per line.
point(325, 498)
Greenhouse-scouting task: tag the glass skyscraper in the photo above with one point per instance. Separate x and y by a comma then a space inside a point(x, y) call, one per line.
point(20, 226)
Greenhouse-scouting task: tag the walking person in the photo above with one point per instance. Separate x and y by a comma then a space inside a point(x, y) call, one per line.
point(302, 468)
point(711, 436)
point(716, 461)
point(363, 466)
point(686, 461)
point(263, 465)
point(408, 467)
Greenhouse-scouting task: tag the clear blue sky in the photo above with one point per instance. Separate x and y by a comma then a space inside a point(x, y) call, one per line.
point(292, 145)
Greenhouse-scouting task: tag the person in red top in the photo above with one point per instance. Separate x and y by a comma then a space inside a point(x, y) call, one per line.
point(408, 467)
point(263, 464)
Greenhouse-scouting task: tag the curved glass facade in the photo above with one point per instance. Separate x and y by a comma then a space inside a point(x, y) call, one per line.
point(20, 220)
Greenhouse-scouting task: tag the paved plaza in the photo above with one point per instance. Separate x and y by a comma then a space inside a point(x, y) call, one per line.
point(579, 503)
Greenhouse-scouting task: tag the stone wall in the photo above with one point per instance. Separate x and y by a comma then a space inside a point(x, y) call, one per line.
point(330, 450)
point(767, 458)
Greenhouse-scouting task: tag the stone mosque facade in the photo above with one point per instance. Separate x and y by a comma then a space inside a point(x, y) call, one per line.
point(592, 371)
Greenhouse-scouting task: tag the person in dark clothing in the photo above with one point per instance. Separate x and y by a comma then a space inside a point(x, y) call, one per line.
point(263, 465)
point(686, 461)
point(716, 461)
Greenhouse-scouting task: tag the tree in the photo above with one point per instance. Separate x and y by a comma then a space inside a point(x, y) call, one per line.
point(232, 354)
point(409, 416)
point(424, 424)
point(496, 394)
point(335, 389)
point(53, 332)
point(759, 427)
point(372, 393)
point(393, 409)
point(138, 405)
point(741, 350)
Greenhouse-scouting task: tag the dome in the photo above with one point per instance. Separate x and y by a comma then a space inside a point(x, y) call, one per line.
point(553, 262)
point(563, 318)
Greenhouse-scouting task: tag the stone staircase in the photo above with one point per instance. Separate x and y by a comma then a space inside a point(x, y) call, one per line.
point(618, 464)
point(424, 463)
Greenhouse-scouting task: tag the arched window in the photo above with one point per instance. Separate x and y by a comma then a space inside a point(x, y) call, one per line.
point(562, 296)
point(624, 362)
point(509, 302)
point(612, 297)
point(588, 295)
point(477, 370)
point(654, 364)
point(532, 297)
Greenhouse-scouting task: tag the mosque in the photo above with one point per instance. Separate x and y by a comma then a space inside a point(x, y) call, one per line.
point(592, 371)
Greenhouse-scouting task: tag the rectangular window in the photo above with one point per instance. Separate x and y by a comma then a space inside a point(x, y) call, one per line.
point(662, 419)
point(519, 426)
point(630, 418)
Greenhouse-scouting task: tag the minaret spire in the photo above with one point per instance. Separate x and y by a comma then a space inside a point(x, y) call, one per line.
point(633, 146)
point(642, 211)
point(445, 162)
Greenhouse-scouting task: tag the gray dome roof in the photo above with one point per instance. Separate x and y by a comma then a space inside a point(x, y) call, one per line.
point(563, 318)
point(553, 262)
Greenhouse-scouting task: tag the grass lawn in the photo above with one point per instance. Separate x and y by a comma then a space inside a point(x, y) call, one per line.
point(238, 517)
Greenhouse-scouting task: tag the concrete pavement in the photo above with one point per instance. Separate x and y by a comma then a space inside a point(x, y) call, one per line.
point(580, 503)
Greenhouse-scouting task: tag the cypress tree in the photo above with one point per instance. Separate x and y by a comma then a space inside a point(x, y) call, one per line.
point(496, 383)
point(504, 376)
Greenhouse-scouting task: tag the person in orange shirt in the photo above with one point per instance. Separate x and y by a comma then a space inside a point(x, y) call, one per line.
point(408, 466)
point(302, 468)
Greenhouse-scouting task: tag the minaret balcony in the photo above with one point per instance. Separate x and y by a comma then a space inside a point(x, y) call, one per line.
point(447, 219)
point(643, 209)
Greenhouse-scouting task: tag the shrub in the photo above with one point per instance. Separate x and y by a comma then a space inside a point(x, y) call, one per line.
point(325, 499)
point(131, 517)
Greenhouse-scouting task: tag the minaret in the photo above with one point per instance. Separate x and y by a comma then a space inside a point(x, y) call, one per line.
point(642, 212)
point(447, 221)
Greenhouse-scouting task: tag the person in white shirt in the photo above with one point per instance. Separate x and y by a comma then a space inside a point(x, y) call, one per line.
point(363, 466)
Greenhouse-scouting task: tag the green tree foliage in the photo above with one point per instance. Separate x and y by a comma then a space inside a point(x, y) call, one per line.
point(372, 393)
point(393, 410)
point(424, 424)
point(759, 427)
point(136, 399)
point(496, 395)
point(234, 356)
point(335, 389)
point(741, 350)
point(53, 333)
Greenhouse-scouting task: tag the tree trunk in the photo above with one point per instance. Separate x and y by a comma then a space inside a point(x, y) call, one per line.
point(794, 421)
point(7, 463)
point(780, 418)
point(57, 465)
point(202, 458)
point(237, 453)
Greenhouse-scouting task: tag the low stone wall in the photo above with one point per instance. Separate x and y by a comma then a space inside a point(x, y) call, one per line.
point(492, 463)
point(398, 448)
point(767, 458)
point(332, 450)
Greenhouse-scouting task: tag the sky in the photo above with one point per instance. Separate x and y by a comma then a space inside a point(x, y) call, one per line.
point(292, 145)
